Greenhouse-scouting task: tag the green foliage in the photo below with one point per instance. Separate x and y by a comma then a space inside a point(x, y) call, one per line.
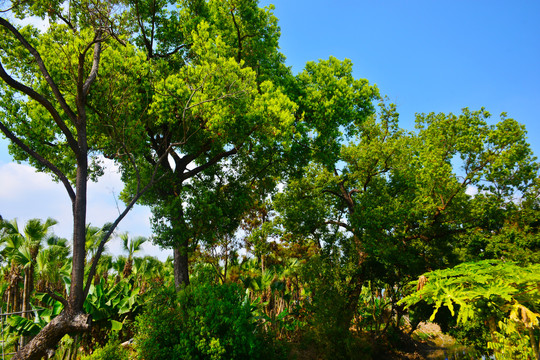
point(111, 351)
point(200, 322)
point(503, 295)
point(202, 102)
point(330, 312)
point(510, 343)
point(109, 305)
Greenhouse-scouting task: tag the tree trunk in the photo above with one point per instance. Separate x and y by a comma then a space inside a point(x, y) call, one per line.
point(128, 267)
point(354, 289)
point(181, 266)
point(534, 344)
point(51, 334)
point(180, 252)
point(76, 294)
point(26, 299)
point(72, 319)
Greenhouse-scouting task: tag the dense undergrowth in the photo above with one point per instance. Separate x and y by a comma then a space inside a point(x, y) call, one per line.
point(290, 309)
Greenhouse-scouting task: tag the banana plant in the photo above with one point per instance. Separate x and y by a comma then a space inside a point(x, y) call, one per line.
point(110, 306)
point(17, 325)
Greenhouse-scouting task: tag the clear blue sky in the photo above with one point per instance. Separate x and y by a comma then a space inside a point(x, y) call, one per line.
point(425, 56)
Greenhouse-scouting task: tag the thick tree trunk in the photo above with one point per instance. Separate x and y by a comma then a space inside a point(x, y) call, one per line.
point(72, 319)
point(51, 334)
point(181, 266)
point(351, 304)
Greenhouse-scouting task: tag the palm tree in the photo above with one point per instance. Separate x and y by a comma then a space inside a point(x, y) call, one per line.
point(53, 266)
point(23, 249)
point(12, 240)
point(105, 264)
point(34, 233)
point(118, 266)
point(131, 246)
point(94, 235)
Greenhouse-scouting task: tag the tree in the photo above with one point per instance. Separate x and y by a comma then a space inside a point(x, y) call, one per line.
point(49, 113)
point(131, 246)
point(23, 249)
point(390, 204)
point(196, 81)
point(216, 107)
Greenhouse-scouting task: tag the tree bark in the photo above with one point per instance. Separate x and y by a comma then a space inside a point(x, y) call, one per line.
point(351, 303)
point(51, 334)
point(181, 266)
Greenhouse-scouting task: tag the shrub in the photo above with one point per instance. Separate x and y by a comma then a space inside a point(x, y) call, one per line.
point(200, 322)
point(111, 351)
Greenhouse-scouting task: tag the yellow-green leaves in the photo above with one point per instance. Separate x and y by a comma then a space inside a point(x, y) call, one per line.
point(334, 104)
point(220, 96)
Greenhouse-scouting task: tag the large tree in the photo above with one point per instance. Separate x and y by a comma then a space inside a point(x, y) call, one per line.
point(139, 83)
point(393, 204)
point(216, 107)
point(48, 110)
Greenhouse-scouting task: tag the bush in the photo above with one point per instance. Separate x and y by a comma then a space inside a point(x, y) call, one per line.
point(111, 351)
point(329, 312)
point(200, 322)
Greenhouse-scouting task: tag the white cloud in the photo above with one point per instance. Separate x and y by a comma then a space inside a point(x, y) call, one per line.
point(26, 194)
point(471, 190)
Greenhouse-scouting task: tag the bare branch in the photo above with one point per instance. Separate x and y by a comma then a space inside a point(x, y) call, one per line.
point(95, 64)
point(239, 55)
point(172, 52)
point(335, 194)
point(210, 162)
point(129, 206)
point(57, 297)
point(66, 21)
point(147, 43)
point(339, 223)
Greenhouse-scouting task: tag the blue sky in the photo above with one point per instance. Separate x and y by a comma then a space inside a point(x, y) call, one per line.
point(426, 56)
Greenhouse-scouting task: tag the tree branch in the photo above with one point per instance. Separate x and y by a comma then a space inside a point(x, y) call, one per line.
point(44, 102)
point(57, 297)
point(106, 237)
point(95, 64)
point(172, 52)
point(210, 162)
point(58, 95)
point(339, 223)
point(239, 55)
point(41, 160)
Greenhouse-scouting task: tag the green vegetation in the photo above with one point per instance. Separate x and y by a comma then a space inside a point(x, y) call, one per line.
point(500, 294)
point(304, 222)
